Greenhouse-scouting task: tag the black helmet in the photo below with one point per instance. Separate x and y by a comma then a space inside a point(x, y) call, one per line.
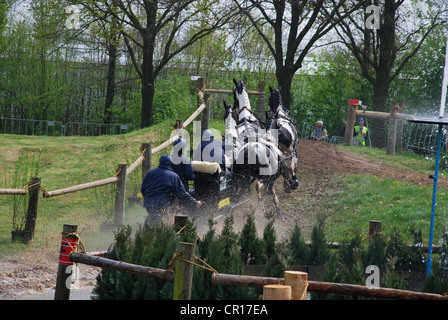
point(165, 159)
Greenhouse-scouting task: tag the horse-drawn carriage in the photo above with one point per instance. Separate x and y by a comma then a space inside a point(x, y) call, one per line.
point(256, 156)
point(212, 185)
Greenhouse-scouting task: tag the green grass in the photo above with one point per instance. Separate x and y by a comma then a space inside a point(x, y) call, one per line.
point(65, 162)
point(68, 161)
point(398, 205)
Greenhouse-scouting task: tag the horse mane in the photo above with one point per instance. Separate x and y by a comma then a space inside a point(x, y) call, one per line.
point(278, 102)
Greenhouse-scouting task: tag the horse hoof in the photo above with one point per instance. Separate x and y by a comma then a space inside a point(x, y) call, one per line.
point(280, 215)
point(259, 189)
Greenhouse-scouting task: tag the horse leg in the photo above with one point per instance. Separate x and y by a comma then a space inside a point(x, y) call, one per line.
point(293, 168)
point(259, 187)
point(277, 203)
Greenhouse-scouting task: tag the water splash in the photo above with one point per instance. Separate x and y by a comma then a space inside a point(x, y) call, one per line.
point(444, 84)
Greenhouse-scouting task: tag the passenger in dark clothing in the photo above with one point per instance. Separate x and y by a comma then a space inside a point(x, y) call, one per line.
point(181, 164)
point(210, 149)
point(159, 187)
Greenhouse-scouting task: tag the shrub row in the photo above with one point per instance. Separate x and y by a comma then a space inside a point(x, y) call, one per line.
point(228, 252)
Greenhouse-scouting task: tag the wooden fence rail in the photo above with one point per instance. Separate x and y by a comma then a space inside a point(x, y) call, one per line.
point(143, 271)
point(20, 192)
point(183, 275)
point(81, 187)
point(120, 178)
point(325, 287)
point(221, 279)
point(113, 180)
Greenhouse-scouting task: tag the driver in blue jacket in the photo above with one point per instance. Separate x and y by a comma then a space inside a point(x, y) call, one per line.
point(159, 187)
point(181, 164)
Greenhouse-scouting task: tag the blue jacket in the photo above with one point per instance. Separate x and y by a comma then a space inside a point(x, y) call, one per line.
point(182, 166)
point(160, 185)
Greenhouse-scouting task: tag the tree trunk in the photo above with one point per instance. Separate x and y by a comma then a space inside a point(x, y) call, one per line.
point(148, 78)
point(284, 80)
point(387, 54)
point(110, 93)
point(380, 95)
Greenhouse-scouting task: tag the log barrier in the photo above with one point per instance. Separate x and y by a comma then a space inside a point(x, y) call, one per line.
point(121, 266)
point(183, 275)
point(220, 279)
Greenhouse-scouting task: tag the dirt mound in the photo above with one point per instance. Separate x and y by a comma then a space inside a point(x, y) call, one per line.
point(317, 158)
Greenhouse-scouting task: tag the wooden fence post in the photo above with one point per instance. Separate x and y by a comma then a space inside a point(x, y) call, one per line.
point(205, 122)
point(33, 201)
point(146, 164)
point(298, 282)
point(65, 268)
point(179, 125)
point(276, 292)
point(399, 136)
point(183, 275)
point(200, 84)
point(374, 227)
point(391, 136)
point(120, 196)
point(180, 221)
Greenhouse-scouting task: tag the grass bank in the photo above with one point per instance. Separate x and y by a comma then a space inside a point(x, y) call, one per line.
point(399, 205)
point(68, 161)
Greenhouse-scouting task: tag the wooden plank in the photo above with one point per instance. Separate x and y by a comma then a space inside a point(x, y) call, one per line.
point(383, 115)
point(350, 125)
point(134, 165)
point(221, 279)
point(231, 91)
point(358, 290)
point(391, 136)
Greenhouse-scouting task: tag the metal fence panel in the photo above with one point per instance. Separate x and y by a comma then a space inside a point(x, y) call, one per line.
point(55, 128)
point(422, 138)
point(30, 127)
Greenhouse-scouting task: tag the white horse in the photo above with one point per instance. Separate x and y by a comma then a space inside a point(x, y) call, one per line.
point(231, 133)
point(256, 158)
point(288, 138)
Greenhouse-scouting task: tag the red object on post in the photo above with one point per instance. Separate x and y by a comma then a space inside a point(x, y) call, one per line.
point(68, 245)
point(355, 102)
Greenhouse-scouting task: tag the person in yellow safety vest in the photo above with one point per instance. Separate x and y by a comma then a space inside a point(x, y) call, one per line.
point(360, 132)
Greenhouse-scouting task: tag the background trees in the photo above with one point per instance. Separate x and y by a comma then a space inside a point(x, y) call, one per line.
point(383, 52)
point(131, 61)
point(158, 29)
point(291, 29)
